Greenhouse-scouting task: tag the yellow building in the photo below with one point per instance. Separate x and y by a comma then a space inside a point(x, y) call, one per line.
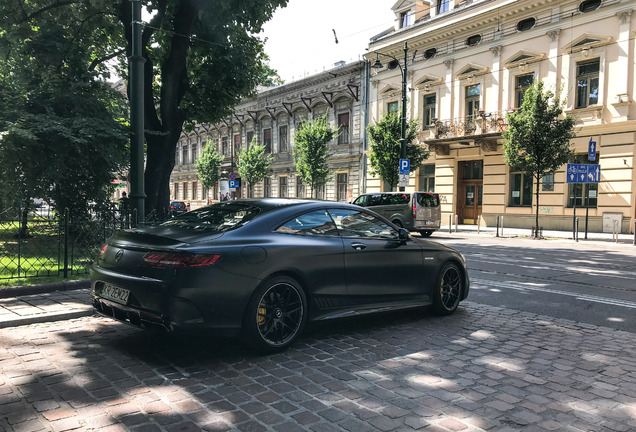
point(469, 62)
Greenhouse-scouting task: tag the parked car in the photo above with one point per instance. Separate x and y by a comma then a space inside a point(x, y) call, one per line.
point(415, 211)
point(263, 268)
point(38, 202)
point(177, 208)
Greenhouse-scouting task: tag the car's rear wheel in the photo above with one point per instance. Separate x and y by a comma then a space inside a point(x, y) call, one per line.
point(448, 291)
point(426, 233)
point(276, 315)
point(398, 223)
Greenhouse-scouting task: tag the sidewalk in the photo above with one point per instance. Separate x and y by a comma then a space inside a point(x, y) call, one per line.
point(24, 305)
point(43, 303)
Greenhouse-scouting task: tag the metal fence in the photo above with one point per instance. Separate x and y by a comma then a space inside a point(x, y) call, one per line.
point(44, 242)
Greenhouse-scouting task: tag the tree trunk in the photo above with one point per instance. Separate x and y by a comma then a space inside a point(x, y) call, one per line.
point(536, 219)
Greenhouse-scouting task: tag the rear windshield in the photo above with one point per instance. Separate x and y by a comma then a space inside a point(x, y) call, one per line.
point(428, 199)
point(215, 218)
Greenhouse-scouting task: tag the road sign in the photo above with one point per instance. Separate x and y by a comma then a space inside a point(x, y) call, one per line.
point(591, 150)
point(404, 180)
point(233, 184)
point(583, 173)
point(405, 166)
point(232, 176)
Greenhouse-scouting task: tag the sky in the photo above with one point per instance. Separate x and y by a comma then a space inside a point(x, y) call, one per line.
point(301, 41)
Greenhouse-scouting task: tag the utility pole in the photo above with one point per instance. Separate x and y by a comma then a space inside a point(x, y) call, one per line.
point(403, 119)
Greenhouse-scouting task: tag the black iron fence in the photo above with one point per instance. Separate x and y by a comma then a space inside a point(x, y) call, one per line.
point(44, 242)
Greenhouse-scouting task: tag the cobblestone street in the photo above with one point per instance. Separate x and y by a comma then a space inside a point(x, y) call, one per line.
point(484, 368)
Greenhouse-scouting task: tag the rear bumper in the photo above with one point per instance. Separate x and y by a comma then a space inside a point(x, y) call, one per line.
point(132, 316)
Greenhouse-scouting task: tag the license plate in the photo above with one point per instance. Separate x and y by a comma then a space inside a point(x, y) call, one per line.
point(115, 293)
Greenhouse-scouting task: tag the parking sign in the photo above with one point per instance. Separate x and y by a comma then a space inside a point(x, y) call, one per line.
point(405, 166)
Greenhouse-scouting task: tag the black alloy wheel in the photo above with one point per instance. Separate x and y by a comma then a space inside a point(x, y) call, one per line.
point(276, 315)
point(426, 233)
point(398, 223)
point(448, 290)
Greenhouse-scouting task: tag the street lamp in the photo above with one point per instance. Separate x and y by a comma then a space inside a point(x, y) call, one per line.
point(378, 65)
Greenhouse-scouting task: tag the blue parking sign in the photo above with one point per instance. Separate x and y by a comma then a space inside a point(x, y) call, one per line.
point(405, 166)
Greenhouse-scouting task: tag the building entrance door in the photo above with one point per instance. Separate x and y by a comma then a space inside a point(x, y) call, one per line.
point(470, 191)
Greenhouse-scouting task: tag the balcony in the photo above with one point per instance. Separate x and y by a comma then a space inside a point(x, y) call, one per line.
point(481, 124)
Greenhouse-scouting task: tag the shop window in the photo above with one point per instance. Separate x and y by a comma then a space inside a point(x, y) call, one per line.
point(520, 190)
point(587, 76)
point(427, 178)
point(430, 102)
point(522, 83)
point(584, 194)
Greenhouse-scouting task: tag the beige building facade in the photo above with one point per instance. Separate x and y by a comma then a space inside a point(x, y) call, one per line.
point(468, 64)
point(271, 117)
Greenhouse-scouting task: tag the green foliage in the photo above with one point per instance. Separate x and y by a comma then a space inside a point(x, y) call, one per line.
point(384, 156)
point(253, 164)
point(537, 140)
point(310, 151)
point(208, 165)
point(62, 128)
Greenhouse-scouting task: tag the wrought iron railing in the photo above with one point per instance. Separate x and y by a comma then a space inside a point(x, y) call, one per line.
point(479, 124)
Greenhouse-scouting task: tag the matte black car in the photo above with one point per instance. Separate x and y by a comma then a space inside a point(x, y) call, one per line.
point(263, 268)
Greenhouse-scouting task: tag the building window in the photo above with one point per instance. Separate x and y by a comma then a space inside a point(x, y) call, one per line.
point(392, 107)
point(267, 187)
point(195, 190)
point(430, 53)
point(300, 187)
point(473, 170)
point(267, 140)
point(582, 192)
point(473, 40)
point(237, 144)
point(522, 83)
point(282, 187)
point(320, 192)
point(406, 19)
point(283, 139)
point(343, 128)
point(185, 190)
point(526, 24)
point(194, 154)
point(429, 110)
point(473, 94)
point(342, 187)
point(184, 154)
point(224, 149)
point(547, 182)
point(589, 5)
point(520, 190)
point(442, 6)
point(587, 83)
point(427, 178)
point(250, 138)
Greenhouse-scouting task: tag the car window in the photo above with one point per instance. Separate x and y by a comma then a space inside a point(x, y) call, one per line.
point(398, 198)
point(361, 200)
point(352, 223)
point(428, 199)
point(312, 223)
point(216, 218)
point(374, 200)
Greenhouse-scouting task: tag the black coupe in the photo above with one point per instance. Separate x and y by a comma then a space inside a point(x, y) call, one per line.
point(262, 268)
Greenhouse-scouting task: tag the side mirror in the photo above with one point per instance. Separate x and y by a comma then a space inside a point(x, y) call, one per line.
point(403, 235)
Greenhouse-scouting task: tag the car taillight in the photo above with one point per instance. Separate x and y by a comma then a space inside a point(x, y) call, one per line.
point(102, 251)
point(171, 207)
point(414, 209)
point(178, 260)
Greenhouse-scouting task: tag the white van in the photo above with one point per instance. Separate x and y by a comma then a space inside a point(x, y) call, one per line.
point(415, 211)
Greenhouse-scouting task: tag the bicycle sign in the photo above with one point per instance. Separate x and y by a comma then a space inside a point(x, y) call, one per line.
point(583, 173)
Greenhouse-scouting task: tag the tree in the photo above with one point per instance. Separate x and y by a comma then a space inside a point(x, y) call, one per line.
point(311, 151)
point(384, 156)
point(201, 59)
point(208, 165)
point(253, 164)
point(537, 140)
point(62, 129)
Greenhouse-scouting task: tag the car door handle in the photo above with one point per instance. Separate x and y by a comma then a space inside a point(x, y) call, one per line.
point(358, 246)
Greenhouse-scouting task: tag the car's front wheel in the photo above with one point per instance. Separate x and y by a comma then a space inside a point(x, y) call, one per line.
point(426, 233)
point(276, 315)
point(448, 291)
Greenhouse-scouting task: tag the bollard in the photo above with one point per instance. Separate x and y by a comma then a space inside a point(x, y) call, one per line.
point(478, 223)
point(576, 229)
point(450, 223)
point(502, 224)
point(456, 222)
point(497, 226)
point(615, 232)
